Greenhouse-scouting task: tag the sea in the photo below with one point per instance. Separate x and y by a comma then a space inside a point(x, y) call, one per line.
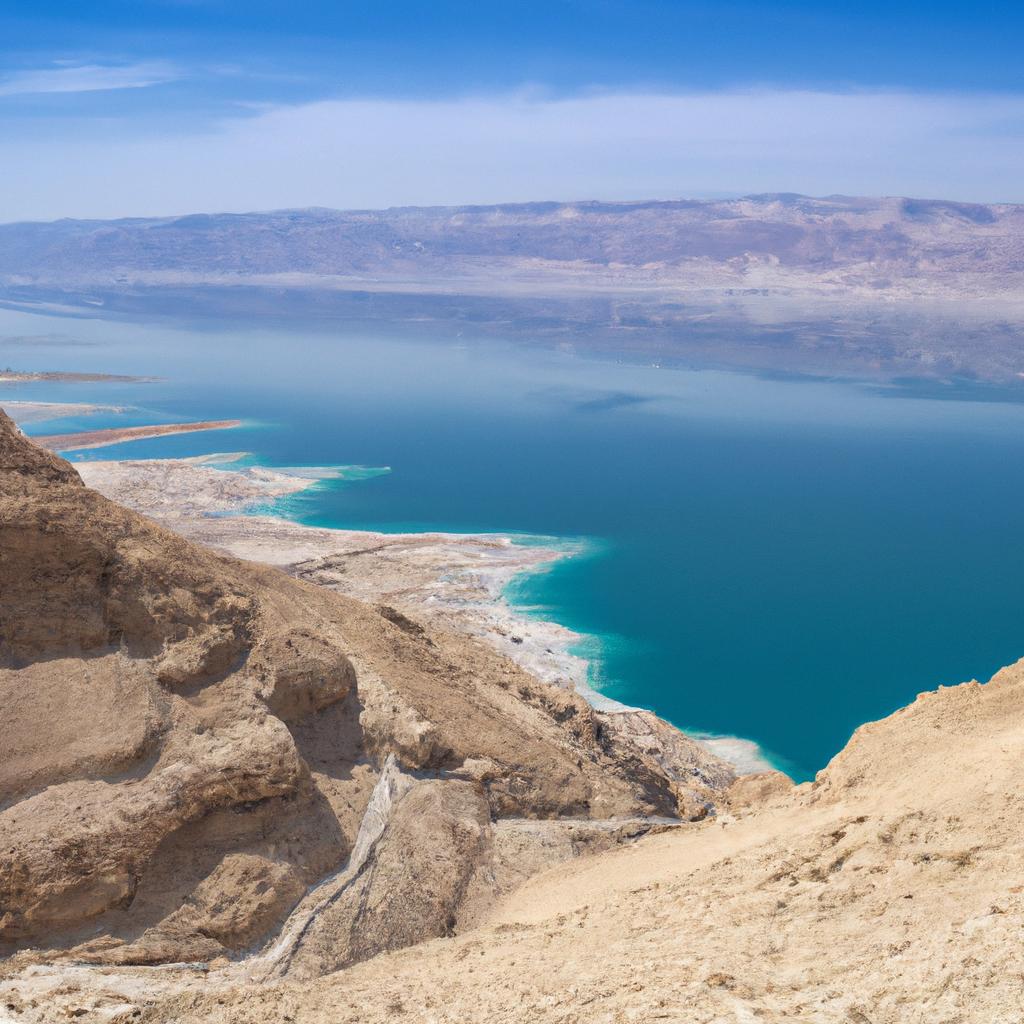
point(774, 559)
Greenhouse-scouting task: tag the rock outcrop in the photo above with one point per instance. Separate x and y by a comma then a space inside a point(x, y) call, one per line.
point(191, 745)
point(888, 891)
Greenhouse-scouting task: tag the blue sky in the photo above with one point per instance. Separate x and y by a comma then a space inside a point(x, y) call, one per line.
point(128, 107)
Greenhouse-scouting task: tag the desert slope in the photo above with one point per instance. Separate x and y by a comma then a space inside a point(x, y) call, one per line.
point(888, 892)
point(193, 744)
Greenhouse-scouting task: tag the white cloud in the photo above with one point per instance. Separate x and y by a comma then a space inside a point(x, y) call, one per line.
point(86, 78)
point(372, 153)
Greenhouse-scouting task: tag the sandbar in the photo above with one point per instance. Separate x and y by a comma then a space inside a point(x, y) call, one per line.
point(38, 412)
point(117, 435)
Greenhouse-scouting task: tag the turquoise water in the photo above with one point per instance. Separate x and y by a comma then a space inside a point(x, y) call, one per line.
point(771, 559)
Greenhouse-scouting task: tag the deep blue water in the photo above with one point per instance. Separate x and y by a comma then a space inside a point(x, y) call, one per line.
point(778, 560)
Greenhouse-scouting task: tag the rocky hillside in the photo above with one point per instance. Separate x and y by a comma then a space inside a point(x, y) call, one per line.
point(204, 758)
point(887, 892)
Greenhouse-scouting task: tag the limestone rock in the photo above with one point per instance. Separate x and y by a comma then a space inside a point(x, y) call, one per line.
point(412, 887)
point(750, 792)
point(190, 744)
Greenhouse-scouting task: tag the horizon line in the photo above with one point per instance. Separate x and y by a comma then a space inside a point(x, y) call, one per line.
point(706, 199)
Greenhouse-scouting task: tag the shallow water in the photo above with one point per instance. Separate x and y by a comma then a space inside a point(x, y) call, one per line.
point(777, 560)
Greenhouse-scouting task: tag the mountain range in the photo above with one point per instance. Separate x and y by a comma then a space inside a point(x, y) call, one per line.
point(887, 287)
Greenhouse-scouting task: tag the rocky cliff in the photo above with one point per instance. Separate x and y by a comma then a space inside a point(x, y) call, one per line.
point(889, 891)
point(197, 750)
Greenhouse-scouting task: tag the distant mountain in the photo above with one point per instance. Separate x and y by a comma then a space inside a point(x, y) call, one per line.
point(773, 281)
point(921, 238)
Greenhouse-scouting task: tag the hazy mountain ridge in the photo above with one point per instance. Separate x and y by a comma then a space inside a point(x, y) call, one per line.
point(930, 236)
point(851, 286)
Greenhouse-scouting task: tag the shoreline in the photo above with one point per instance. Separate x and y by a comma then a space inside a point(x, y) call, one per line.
point(453, 581)
point(456, 581)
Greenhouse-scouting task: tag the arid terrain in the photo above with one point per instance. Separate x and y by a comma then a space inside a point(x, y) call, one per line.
point(210, 761)
point(887, 891)
point(231, 795)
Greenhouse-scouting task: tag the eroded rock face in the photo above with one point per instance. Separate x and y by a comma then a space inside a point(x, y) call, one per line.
point(888, 890)
point(752, 792)
point(301, 673)
point(655, 751)
point(190, 742)
point(101, 834)
point(236, 904)
point(413, 886)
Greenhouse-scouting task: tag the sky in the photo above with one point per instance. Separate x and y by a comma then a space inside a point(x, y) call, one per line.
point(116, 108)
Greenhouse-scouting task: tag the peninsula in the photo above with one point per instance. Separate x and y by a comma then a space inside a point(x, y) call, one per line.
point(39, 412)
point(117, 435)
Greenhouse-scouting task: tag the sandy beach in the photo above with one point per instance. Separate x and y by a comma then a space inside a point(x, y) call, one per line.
point(455, 581)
